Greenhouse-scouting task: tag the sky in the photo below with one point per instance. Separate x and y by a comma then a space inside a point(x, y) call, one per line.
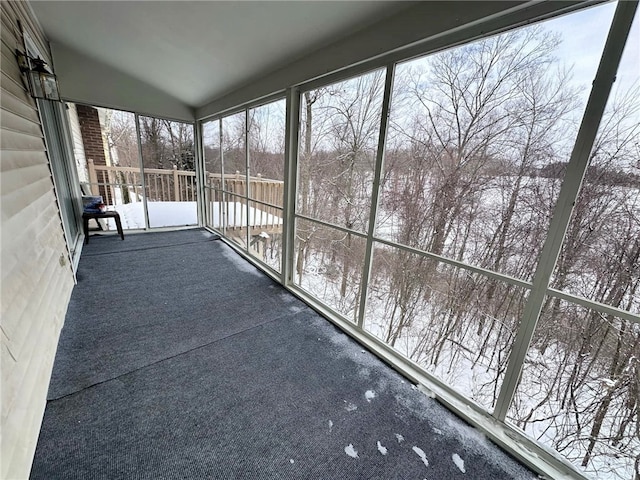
point(584, 35)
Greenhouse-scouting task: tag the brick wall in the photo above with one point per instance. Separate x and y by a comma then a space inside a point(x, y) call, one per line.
point(93, 146)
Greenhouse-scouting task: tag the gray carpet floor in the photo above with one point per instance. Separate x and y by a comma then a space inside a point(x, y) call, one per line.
point(178, 359)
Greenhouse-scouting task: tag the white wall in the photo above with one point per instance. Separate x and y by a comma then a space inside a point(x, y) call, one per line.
point(85, 80)
point(36, 278)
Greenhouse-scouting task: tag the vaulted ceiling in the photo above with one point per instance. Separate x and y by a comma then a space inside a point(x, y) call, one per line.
point(196, 51)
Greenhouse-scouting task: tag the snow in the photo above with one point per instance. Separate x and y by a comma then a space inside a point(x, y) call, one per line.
point(174, 214)
point(422, 455)
point(239, 262)
point(608, 382)
point(322, 278)
point(350, 407)
point(458, 364)
point(470, 437)
point(369, 395)
point(473, 442)
point(459, 462)
point(383, 450)
point(352, 452)
point(428, 392)
point(161, 214)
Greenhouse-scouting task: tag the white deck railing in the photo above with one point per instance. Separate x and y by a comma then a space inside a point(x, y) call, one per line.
point(118, 184)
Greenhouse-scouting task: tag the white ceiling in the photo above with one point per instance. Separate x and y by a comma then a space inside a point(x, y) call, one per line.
point(197, 51)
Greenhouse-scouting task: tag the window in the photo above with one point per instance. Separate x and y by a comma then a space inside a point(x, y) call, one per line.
point(168, 159)
point(457, 325)
point(477, 137)
point(266, 187)
point(108, 163)
point(339, 138)
point(244, 162)
point(234, 174)
point(580, 385)
point(213, 173)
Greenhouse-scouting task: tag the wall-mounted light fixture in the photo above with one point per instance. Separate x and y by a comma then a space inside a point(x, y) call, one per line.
point(41, 81)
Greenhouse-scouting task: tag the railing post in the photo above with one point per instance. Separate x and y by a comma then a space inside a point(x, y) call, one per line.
point(176, 185)
point(93, 178)
point(237, 184)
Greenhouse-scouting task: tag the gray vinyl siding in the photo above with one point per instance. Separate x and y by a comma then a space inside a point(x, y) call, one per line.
point(37, 278)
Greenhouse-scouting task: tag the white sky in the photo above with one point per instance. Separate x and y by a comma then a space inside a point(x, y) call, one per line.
point(584, 34)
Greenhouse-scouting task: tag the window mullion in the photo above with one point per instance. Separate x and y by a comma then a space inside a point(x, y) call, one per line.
point(290, 183)
point(247, 175)
point(142, 179)
point(223, 186)
point(375, 194)
point(200, 174)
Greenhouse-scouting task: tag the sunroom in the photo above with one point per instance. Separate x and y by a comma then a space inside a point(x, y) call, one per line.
point(454, 185)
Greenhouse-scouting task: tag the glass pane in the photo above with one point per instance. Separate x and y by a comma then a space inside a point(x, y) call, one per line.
point(601, 253)
point(477, 134)
point(211, 147)
point(339, 131)
point(328, 265)
point(457, 325)
point(169, 167)
point(266, 152)
point(234, 162)
point(107, 162)
point(265, 236)
point(235, 219)
point(580, 389)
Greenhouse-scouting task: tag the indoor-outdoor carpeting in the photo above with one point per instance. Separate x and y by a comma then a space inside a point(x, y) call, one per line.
point(103, 244)
point(183, 361)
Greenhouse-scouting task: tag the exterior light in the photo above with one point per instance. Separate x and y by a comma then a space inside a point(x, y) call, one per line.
point(41, 82)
